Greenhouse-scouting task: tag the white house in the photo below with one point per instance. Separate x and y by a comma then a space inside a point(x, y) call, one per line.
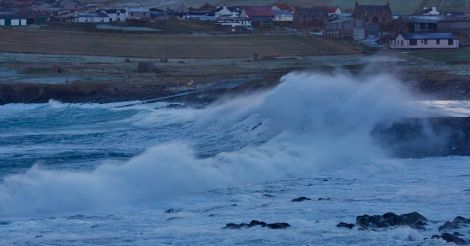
point(116, 15)
point(425, 41)
point(283, 16)
point(13, 21)
point(224, 12)
point(235, 22)
point(90, 18)
point(138, 13)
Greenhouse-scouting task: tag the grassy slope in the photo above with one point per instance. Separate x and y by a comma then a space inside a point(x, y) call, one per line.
point(398, 6)
point(461, 55)
point(159, 45)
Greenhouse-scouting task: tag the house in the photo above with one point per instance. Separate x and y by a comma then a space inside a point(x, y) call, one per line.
point(138, 13)
point(89, 18)
point(440, 23)
point(282, 6)
point(12, 20)
point(311, 17)
point(283, 16)
point(350, 28)
point(235, 22)
point(430, 11)
point(260, 16)
point(116, 15)
point(340, 29)
point(425, 41)
point(331, 10)
point(224, 12)
point(381, 14)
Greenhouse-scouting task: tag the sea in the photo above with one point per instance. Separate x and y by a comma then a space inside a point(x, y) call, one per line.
point(161, 173)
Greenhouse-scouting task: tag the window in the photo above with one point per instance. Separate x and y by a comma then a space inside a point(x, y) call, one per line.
point(422, 26)
point(451, 42)
point(425, 41)
point(402, 43)
point(438, 41)
point(413, 42)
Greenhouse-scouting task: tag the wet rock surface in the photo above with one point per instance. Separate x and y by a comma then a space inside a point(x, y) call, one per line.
point(451, 238)
point(413, 220)
point(301, 199)
point(457, 223)
point(254, 223)
point(424, 137)
point(345, 225)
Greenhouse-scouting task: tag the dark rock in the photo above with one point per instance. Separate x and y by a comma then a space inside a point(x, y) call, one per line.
point(324, 199)
point(257, 223)
point(276, 226)
point(345, 225)
point(301, 199)
point(172, 211)
point(457, 223)
point(414, 220)
point(458, 234)
point(450, 238)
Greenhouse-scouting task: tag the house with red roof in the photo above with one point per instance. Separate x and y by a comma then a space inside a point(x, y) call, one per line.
point(331, 10)
point(260, 16)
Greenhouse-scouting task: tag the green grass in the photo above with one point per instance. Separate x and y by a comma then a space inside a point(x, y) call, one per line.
point(449, 56)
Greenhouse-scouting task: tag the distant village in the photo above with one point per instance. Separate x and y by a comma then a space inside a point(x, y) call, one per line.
point(371, 25)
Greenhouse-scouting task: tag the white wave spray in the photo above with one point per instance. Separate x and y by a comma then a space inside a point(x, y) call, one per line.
point(308, 122)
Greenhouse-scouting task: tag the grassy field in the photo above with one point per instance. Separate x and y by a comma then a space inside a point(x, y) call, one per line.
point(170, 46)
point(398, 6)
point(450, 56)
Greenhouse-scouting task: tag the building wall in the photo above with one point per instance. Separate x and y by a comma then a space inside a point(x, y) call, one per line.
point(401, 43)
point(284, 18)
point(2, 22)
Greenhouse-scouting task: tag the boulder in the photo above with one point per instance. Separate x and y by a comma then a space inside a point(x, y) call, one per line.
point(413, 220)
point(257, 223)
point(301, 199)
point(345, 225)
point(457, 223)
point(450, 238)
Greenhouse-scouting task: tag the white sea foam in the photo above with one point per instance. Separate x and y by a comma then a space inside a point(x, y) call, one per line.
point(310, 122)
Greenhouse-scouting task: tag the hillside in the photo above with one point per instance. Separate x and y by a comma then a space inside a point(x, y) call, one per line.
point(398, 6)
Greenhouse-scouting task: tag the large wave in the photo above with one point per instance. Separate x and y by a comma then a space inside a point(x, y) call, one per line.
point(309, 122)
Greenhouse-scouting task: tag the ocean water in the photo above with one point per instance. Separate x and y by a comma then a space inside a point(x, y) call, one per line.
point(134, 173)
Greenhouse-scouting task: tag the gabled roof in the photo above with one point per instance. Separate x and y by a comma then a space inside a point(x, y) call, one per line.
point(283, 6)
point(371, 8)
point(259, 11)
point(427, 36)
point(328, 9)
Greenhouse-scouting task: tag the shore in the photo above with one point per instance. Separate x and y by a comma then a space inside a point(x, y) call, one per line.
point(72, 66)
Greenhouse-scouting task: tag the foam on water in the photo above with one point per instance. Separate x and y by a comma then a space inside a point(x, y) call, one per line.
point(309, 122)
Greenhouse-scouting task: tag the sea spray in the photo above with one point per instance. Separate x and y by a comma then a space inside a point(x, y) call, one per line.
point(309, 122)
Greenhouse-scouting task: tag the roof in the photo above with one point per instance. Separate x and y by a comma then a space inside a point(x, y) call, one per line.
point(424, 18)
point(436, 18)
point(112, 11)
point(342, 20)
point(312, 12)
point(424, 36)
point(359, 8)
point(259, 11)
point(328, 9)
point(283, 6)
point(92, 15)
point(16, 17)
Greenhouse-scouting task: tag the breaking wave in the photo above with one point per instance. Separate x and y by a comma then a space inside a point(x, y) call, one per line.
point(309, 122)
